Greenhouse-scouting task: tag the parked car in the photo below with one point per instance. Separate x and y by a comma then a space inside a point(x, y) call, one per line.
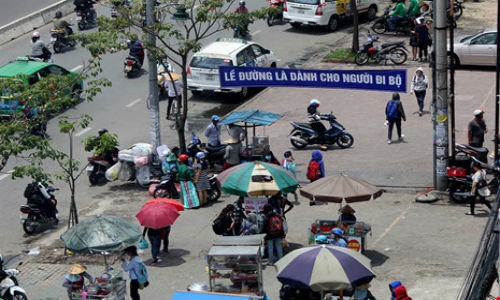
point(203, 70)
point(326, 13)
point(479, 49)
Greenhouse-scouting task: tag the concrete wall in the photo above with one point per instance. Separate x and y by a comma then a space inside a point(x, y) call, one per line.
point(33, 21)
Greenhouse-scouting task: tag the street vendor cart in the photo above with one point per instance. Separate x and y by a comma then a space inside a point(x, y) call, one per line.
point(212, 296)
point(109, 286)
point(355, 234)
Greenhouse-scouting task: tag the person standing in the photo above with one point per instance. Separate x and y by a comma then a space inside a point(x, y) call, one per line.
point(236, 132)
point(154, 237)
point(419, 84)
point(414, 44)
point(394, 112)
point(423, 39)
point(315, 169)
point(479, 188)
point(201, 177)
point(288, 163)
point(232, 155)
point(273, 228)
point(188, 190)
point(132, 267)
point(476, 129)
point(212, 133)
point(238, 214)
point(173, 85)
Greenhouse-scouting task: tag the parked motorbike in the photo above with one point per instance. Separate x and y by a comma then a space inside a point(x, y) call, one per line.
point(34, 218)
point(381, 25)
point(395, 52)
point(167, 188)
point(132, 66)
point(215, 155)
point(13, 273)
point(458, 8)
point(97, 166)
point(275, 12)
point(86, 21)
point(10, 291)
point(138, 163)
point(60, 41)
point(303, 134)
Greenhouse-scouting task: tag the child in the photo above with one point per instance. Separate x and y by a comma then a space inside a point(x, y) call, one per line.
point(316, 168)
point(288, 163)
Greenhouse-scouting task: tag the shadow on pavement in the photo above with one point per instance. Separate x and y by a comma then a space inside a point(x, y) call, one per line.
point(173, 258)
point(376, 257)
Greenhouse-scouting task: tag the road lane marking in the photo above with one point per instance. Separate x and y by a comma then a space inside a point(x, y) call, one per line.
point(83, 131)
point(389, 228)
point(76, 68)
point(134, 102)
point(3, 176)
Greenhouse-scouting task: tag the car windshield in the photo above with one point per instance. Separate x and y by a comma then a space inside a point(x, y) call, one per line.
point(468, 37)
point(312, 2)
point(209, 62)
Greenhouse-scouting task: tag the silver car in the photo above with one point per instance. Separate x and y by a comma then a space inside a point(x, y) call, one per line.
point(479, 49)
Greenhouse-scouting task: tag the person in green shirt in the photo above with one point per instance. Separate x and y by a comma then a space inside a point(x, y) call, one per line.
point(414, 8)
point(189, 195)
point(397, 14)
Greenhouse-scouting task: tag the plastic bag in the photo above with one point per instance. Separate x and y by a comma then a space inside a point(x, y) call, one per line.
point(126, 172)
point(143, 244)
point(112, 173)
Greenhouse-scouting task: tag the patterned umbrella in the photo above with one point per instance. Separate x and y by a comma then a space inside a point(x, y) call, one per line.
point(157, 215)
point(101, 233)
point(256, 178)
point(175, 203)
point(324, 268)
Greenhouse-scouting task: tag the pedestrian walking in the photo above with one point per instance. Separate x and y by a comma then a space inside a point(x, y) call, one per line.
point(414, 44)
point(479, 188)
point(201, 177)
point(154, 237)
point(273, 228)
point(423, 39)
point(419, 84)
point(173, 85)
point(394, 112)
point(476, 129)
point(132, 267)
point(166, 235)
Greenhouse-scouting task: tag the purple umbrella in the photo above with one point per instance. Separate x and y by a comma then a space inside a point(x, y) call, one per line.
point(324, 268)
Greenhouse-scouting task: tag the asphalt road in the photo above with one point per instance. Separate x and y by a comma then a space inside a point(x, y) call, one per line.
point(13, 10)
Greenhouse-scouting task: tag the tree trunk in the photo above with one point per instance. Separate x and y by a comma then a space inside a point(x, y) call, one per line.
point(181, 120)
point(355, 26)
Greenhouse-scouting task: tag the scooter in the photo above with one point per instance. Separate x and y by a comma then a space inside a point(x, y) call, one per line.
point(10, 291)
point(303, 134)
point(167, 188)
point(240, 31)
point(97, 166)
point(215, 155)
point(34, 219)
point(13, 273)
point(275, 12)
point(132, 66)
point(381, 25)
point(60, 41)
point(86, 21)
point(395, 52)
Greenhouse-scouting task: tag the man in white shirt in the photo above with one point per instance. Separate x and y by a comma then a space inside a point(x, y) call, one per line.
point(212, 133)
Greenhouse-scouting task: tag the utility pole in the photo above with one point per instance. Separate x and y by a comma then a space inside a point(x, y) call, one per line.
point(154, 105)
point(441, 141)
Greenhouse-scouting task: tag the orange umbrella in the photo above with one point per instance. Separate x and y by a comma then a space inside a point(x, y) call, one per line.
point(179, 206)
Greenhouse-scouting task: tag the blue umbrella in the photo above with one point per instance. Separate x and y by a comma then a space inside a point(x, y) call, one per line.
point(324, 268)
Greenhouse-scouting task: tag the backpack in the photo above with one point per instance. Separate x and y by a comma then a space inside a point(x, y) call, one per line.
point(313, 171)
point(275, 226)
point(142, 276)
point(218, 226)
point(30, 189)
point(392, 110)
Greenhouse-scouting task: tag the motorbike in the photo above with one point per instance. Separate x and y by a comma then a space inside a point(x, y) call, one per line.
point(303, 134)
point(275, 12)
point(13, 273)
point(86, 21)
point(97, 166)
point(240, 31)
point(10, 291)
point(33, 217)
point(168, 188)
point(395, 52)
point(458, 8)
point(215, 155)
point(132, 66)
point(60, 41)
point(381, 25)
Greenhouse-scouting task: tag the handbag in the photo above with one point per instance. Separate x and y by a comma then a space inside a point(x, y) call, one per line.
point(143, 244)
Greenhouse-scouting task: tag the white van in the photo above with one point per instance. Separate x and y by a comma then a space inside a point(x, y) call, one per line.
point(203, 70)
point(327, 13)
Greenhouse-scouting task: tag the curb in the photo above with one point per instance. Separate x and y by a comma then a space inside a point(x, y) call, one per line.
point(33, 21)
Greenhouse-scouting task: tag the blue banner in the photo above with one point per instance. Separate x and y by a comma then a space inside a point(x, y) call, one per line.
point(376, 80)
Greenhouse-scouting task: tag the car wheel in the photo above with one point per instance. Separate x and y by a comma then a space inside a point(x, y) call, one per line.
point(333, 24)
point(372, 13)
point(453, 60)
point(295, 25)
point(76, 93)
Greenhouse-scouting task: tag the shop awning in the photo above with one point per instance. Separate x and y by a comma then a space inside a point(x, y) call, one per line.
point(254, 117)
point(212, 296)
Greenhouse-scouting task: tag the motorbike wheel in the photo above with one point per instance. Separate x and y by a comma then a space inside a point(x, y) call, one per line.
point(458, 199)
point(81, 25)
point(345, 141)
point(161, 193)
point(457, 10)
point(270, 20)
point(30, 225)
point(17, 296)
point(213, 193)
point(58, 47)
point(379, 27)
point(397, 56)
point(361, 58)
point(297, 144)
point(94, 178)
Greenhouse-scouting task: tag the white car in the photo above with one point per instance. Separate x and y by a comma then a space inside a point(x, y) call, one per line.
point(203, 70)
point(327, 13)
point(479, 49)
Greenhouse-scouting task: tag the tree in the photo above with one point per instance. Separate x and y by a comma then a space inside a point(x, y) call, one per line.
point(355, 26)
point(176, 38)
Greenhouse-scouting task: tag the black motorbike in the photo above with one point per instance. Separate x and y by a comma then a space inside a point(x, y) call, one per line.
point(86, 20)
point(240, 31)
point(60, 40)
point(395, 52)
point(132, 66)
point(215, 155)
point(381, 25)
point(303, 134)
point(98, 165)
point(35, 218)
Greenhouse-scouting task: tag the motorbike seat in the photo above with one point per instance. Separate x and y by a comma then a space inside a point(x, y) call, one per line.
point(33, 207)
point(385, 45)
point(305, 125)
point(212, 149)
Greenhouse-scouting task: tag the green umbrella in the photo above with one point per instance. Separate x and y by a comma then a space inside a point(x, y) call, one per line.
point(257, 178)
point(101, 233)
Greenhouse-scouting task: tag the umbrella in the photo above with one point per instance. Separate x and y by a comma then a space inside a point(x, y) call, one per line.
point(256, 178)
point(324, 268)
point(340, 187)
point(101, 233)
point(157, 215)
point(175, 203)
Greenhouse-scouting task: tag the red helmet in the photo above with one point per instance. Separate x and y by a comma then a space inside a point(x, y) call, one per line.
point(183, 157)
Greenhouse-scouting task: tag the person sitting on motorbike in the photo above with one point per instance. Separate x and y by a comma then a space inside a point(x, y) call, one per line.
point(414, 9)
point(314, 118)
point(60, 24)
point(241, 9)
point(136, 49)
point(399, 12)
point(85, 7)
point(38, 47)
point(42, 198)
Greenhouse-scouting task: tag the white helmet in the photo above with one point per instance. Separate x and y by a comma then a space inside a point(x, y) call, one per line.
point(200, 155)
point(36, 34)
point(314, 102)
point(242, 2)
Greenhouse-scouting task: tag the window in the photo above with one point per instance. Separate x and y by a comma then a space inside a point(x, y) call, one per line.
point(56, 70)
point(246, 57)
point(257, 50)
point(209, 62)
point(485, 39)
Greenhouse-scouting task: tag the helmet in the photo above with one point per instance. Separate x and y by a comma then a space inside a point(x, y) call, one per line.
point(58, 14)
point(314, 102)
point(183, 157)
point(215, 118)
point(337, 231)
point(321, 239)
point(242, 2)
point(36, 34)
point(200, 155)
point(102, 131)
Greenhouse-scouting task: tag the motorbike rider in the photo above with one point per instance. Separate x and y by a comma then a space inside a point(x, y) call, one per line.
point(85, 7)
point(38, 47)
point(41, 197)
point(136, 48)
point(398, 13)
point(60, 24)
point(314, 118)
point(212, 133)
point(242, 9)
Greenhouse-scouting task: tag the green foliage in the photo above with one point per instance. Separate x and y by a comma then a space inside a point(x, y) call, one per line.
point(340, 55)
point(100, 145)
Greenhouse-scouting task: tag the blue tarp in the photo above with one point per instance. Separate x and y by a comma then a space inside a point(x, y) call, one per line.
point(211, 296)
point(255, 117)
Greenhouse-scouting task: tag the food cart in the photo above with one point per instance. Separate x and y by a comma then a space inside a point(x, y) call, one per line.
point(109, 286)
point(355, 234)
point(235, 265)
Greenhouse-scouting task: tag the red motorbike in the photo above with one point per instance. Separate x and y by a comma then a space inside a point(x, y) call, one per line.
point(275, 12)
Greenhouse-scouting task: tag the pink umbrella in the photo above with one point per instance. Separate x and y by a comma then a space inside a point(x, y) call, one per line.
point(157, 215)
